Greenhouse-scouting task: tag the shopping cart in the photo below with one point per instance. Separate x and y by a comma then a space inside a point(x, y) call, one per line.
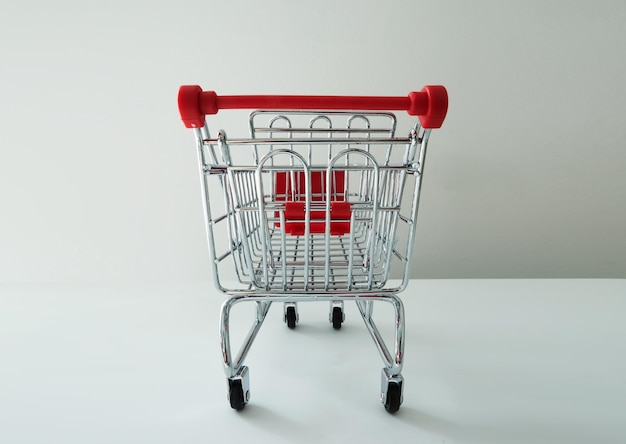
point(312, 207)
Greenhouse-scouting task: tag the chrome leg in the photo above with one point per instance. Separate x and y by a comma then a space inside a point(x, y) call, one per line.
point(232, 367)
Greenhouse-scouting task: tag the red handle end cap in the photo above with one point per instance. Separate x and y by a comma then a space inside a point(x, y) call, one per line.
point(189, 106)
point(436, 97)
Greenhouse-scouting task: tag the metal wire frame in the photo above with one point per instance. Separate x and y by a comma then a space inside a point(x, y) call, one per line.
point(275, 267)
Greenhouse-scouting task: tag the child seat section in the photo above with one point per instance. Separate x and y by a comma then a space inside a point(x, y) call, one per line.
point(290, 187)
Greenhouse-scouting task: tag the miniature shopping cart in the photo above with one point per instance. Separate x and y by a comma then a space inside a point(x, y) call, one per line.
point(318, 204)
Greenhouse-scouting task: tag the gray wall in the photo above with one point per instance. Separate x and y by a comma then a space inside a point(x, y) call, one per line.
point(98, 178)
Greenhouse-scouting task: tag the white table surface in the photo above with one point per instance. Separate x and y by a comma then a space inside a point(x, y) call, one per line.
point(487, 361)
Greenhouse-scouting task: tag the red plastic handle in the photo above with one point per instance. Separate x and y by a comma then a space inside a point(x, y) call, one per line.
point(430, 104)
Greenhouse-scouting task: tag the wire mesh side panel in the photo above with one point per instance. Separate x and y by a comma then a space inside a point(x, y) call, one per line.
point(314, 202)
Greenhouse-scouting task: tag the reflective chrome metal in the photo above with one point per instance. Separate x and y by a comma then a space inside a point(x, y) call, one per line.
point(300, 141)
point(246, 218)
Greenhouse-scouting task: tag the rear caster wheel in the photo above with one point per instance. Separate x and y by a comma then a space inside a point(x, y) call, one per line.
point(291, 317)
point(394, 396)
point(337, 317)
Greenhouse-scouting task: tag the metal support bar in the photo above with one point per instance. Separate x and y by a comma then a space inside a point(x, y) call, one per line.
point(232, 367)
point(393, 362)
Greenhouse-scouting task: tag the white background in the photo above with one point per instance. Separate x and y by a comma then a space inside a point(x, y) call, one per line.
point(97, 173)
point(487, 362)
point(98, 182)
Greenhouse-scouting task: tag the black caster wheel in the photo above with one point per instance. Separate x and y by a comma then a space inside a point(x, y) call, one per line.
point(394, 397)
point(236, 396)
point(337, 317)
point(291, 317)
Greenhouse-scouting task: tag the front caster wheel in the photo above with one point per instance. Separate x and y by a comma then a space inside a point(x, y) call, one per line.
point(393, 398)
point(236, 394)
point(239, 389)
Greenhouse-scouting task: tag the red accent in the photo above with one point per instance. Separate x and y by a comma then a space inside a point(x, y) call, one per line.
point(189, 107)
point(293, 194)
point(286, 189)
point(436, 105)
point(313, 102)
point(340, 213)
point(430, 104)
